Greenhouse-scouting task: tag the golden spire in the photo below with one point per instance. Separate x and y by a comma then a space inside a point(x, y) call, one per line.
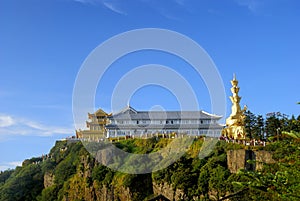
point(234, 81)
point(235, 122)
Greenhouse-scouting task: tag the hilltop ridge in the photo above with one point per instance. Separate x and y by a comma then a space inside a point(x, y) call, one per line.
point(70, 173)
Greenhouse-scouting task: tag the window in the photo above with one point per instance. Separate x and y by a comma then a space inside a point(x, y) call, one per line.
point(206, 121)
point(185, 121)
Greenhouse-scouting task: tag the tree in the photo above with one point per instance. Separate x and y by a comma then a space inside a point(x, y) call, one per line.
point(249, 122)
point(203, 181)
point(25, 184)
point(49, 194)
point(293, 124)
point(185, 177)
point(5, 175)
point(272, 126)
point(260, 127)
point(254, 125)
point(64, 170)
point(217, 181)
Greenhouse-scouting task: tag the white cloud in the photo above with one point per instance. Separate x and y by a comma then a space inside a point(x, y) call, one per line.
point(10, 125)
point(15, 163)
point(10, 165)
point(6, 121)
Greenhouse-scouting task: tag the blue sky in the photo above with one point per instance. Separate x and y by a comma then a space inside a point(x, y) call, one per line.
point(44, 43)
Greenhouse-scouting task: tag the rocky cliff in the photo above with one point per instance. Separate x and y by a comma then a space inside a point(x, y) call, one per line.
point(239, 159)
point(69, 172)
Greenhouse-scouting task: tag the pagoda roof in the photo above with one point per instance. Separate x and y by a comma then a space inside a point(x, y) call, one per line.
point(100, 112)
point(131, 113)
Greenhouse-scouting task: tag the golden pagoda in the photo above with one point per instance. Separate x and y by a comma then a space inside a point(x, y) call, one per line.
point(235, 122)
point(96, 124)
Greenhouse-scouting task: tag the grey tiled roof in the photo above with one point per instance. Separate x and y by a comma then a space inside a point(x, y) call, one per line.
point(165, 126)
point(130, 113)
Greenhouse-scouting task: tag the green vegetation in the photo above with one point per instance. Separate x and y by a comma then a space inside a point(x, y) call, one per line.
point(23, 184)
point(69, 172)
point(272, 128)
point(280, 181)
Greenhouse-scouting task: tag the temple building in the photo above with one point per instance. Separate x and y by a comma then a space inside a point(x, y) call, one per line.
point(96, 125)
point(132, 123)
point(235, 122)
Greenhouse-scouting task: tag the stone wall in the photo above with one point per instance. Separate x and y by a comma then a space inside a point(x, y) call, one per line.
point(263, 157)
point(237, 159)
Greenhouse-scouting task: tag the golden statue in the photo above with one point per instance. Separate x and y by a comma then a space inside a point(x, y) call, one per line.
point(235, 122)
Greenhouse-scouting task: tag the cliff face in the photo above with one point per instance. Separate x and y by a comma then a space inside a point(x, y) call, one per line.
point(82, 186)
point(237, 159)
point(48, 179)
point(69, 172)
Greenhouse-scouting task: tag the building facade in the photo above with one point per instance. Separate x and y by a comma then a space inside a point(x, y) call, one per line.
point(96, 125)
point(132, 123)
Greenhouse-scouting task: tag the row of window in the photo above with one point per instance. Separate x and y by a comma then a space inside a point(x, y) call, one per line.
point(95, 128)
point(161, 122)
point(140, 132)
